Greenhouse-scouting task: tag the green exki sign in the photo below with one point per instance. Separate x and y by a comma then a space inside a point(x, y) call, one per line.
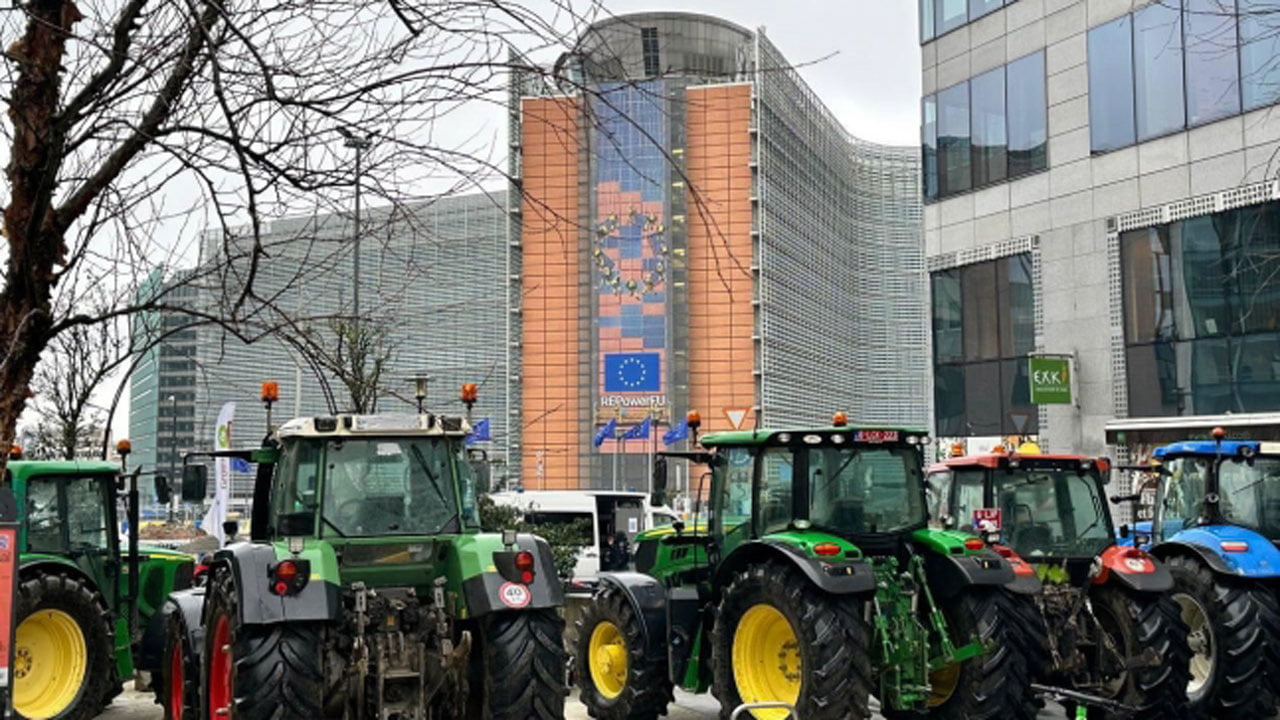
point(1050, 380)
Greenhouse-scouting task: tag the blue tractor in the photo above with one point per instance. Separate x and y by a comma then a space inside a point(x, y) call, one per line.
point(1216, 522)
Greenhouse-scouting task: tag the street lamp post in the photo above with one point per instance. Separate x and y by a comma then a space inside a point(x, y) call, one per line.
point(359, 144)
point(173, 448)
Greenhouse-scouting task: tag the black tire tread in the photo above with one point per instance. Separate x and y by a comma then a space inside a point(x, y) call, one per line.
point(649, 689)
point(175, 641)
point(87, 607)
point(524, 665)
point(1159, 692)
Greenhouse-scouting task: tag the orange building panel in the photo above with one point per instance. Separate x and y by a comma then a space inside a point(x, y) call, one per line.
point(551, 235)
point(721, 318)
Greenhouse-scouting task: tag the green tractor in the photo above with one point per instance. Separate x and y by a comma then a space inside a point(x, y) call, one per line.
point(82, 601)
point(366, 589)
point(813, 584)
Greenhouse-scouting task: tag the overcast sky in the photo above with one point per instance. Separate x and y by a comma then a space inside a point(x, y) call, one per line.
point(872, 79)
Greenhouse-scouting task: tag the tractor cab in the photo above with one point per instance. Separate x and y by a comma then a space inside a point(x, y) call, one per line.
point(1206, 485)
point(1042, 506)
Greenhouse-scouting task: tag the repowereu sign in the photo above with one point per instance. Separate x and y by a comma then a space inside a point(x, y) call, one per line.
point(1050, 380)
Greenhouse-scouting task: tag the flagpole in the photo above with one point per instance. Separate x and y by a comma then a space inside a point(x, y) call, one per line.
point(652, 450)
point(614, 433)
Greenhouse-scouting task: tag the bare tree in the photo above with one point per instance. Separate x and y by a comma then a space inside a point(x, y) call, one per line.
point(356, 354)
point(75, 365)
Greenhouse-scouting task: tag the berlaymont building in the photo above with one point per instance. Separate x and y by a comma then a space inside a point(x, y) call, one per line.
point(1102, 219)
point(693, 229)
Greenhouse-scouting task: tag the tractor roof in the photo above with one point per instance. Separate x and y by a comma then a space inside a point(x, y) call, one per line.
point(426, 425)
point(1213, 447)
point(992, 460)
point(23, 469)
point(776, 436)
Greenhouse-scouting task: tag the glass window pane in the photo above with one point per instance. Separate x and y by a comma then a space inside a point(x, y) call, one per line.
point(954, 166)
point(929, 142)
point(1203, 248)
point(979, 305)
point(1146, 269)
point(987, 118)
point(1157, 58)
point(985, 413)
point(1028, 126)
point(1111, 85)
point(44, 521)
point(950, 14)
point(926, 20)
point(947, 321)
point(1152, 380)
point(1017, 306)
point(978, 8)
point(1255, 271)
point(1213, 70)
point(948, 400)
point(87, 514)
point(1259, 52)
point(1018, 414)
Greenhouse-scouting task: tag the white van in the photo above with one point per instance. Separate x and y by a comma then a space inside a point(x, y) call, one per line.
point(608, 512)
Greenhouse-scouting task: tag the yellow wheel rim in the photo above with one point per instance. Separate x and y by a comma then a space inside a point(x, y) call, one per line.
point(766, 660)
point(50, 657)
point(607, 658)
point(942, 684)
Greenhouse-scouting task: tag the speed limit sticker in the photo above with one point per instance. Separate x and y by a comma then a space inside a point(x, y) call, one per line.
point(514, 595)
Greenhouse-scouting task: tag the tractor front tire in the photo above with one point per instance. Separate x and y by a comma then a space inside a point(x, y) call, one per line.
point(1139, 622)
point(618, 678)
point(64, 662)
point(995, 684)
point(777, 637)
point(1238, 648)
point(269, 672)
point(177, 685)
point(518, 662)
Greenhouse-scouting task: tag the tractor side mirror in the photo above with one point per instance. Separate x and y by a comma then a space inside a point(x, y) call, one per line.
point(230, 528)
point(195, 481)
point(1124, 531)
point(298, 523)
point(659, 496)
point(164, 493)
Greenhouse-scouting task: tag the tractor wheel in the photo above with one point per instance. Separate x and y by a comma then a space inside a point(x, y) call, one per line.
point(518, 662)
point(256, 673)
point(995, 684)
point(1234, 631)
point(619, 679)
point(778, 638)
point(177, 686)
point(1136, 623)
point(63, 653)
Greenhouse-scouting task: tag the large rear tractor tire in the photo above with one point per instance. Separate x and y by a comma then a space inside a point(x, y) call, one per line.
point(271, 672)
point(995, 684)
point(618, 678)
point(64, 661)
point(518, 664)
point(177, 685)
point(1234, 628)
point(778, 638)
point(1136, 623)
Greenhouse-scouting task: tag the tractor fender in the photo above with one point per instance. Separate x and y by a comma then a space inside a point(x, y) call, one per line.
point(187, 603)
point(1134, 569)
point(648, 599)
point(838, 577)
point(1260, 561)
point(950, 574)
point(53, 565)
point(486, 592)
point(250, 567)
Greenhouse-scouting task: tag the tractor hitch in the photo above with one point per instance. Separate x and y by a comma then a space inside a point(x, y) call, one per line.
point(1058, 694)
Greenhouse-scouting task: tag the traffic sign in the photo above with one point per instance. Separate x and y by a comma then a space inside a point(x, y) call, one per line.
point(736, 416)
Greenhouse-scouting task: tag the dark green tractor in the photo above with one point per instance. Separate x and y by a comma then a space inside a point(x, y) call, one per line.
point(82, 599)
point(366, 589)
point(813, 584)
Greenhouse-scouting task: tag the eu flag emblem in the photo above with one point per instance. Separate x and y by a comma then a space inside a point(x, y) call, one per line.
point(632, 372)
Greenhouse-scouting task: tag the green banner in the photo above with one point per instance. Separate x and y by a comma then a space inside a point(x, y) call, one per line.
point(1050, 380)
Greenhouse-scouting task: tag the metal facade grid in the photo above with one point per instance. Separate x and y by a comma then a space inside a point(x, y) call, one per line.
point(855, 330)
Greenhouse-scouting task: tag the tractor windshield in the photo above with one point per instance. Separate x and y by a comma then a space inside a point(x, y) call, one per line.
point(389, 486)
point(1053, 511)
point(1250, 493)
point(864, 489)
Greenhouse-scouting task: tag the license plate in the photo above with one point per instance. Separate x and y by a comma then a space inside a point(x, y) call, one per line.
point(875, 436)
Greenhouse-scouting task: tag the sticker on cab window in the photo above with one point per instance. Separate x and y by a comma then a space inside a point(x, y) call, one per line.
point(987, 520)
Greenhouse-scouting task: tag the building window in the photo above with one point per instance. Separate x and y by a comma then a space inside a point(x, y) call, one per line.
point(983, 331)
point(950, 14)
point(1157, 69)
point(1111, 122)
point(926, 20)
point(942, 16)
point(985, 130)
point(1202, 314)
point(1213, 74)
point(649, 50)
point(1259, 52)
point(978, 8)
point(987, 119)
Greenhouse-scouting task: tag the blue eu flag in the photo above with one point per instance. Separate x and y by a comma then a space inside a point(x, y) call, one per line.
point(240, 465)
point(632, 372)
point(607, 431)
point(677, 433)
point(638, 432)
point(479, 432)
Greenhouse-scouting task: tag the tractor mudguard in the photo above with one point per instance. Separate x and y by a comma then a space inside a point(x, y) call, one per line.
point(1025, 585)
point(949, 574)
point(190, 603)
point(250, 566)
point(484, 593)
point(1134, 569)
point(1260, 559)
point(648, 599)
point(838, 577)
